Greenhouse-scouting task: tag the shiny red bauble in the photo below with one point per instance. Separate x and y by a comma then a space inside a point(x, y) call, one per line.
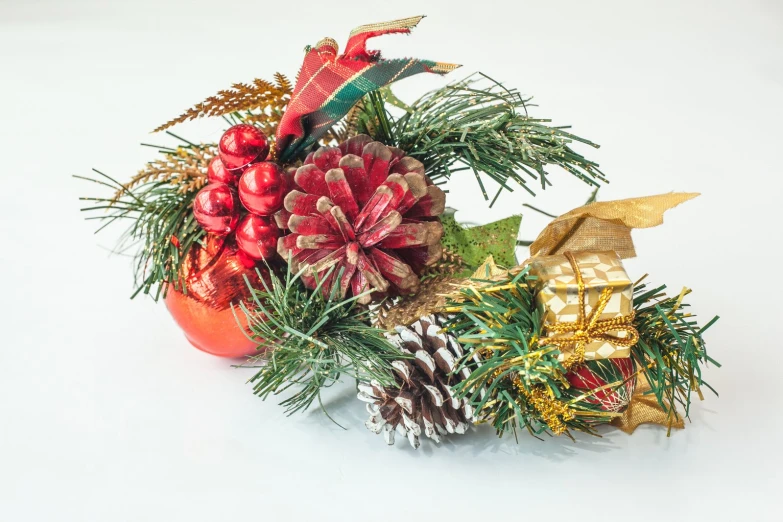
point(599, 375)
point(214, 276)
point(218, 173)
point(216, 208)
point(257, 236)
point(262, 188)
point(242, 145)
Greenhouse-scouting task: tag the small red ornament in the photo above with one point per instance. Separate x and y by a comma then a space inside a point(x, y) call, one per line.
point(216, 208)
point(214, 276)
point(262, 188)
point(257, 236)
point(242, 145)
point(218, 173)
point(595, 375)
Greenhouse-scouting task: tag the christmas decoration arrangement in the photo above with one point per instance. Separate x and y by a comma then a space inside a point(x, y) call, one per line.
point(315, 240)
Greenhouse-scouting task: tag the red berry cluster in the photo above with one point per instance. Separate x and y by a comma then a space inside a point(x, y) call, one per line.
point(241, 174)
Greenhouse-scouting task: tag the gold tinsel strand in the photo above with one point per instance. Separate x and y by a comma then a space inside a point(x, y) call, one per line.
point(554, 413)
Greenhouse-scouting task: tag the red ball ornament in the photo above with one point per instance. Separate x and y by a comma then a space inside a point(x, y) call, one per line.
point(262, 188)
point(218, 173)
point(595, 375)
point(214, 277)
point(216, 208)
point(257, 236)
point(241, 145)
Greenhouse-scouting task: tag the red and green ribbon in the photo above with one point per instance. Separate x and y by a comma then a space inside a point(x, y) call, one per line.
point(328, 85)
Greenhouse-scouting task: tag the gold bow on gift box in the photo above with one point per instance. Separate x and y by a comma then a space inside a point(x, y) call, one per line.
point(596, 332)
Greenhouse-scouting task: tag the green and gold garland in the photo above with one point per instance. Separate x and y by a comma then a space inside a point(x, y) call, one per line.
point(484, 349)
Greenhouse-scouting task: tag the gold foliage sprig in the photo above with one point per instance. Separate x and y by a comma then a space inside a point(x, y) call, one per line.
point(265, 101)
point(156, 205)
point(184, 167)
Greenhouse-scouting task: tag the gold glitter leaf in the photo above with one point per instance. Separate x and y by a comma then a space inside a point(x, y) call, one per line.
point(185, 167)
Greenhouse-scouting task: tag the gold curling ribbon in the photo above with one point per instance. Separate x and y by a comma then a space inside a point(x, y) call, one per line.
point(588, 328)
point(605, 225)
point(644, 409)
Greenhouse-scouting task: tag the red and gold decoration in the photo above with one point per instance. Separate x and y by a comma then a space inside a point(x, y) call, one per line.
point(313, 238)
point(578, 365)
point(257, 236)
point(259, 185)
point(214, 280)
point(600, 378)
point(262, 188)
point(218, 173)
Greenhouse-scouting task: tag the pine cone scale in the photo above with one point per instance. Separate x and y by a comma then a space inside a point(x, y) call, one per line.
point(341, 193)
point(381, 229)
point(353, 170)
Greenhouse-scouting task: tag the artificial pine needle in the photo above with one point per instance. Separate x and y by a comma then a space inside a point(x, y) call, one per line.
point(480, 123)
point(310, 339)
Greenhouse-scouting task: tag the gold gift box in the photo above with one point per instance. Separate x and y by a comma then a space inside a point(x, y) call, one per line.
point(558, 291)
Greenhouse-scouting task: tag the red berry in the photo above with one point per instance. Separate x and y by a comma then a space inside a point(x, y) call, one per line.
point(262, 188)
point(246, 260)
point(216, 208)
point(241, 145)
point(257, 236)
point(218, 173)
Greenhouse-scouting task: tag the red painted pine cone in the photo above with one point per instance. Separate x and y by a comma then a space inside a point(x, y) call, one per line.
point(369, 211)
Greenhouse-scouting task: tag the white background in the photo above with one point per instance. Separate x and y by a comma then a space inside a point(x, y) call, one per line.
point(107, 414)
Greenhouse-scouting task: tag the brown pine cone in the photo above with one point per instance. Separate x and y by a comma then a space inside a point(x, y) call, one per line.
point(423, 397)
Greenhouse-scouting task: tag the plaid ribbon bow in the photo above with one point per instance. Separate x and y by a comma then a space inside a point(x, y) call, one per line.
point(328, 85)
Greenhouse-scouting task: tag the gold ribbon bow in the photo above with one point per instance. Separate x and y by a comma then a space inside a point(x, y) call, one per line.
point(606, 225)
point(588, 328)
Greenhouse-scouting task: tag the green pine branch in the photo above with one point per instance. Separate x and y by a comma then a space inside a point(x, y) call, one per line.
point(671, 349)
point(500, 326)
point(155, 206)
point(478, 125)
point(310, 338)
